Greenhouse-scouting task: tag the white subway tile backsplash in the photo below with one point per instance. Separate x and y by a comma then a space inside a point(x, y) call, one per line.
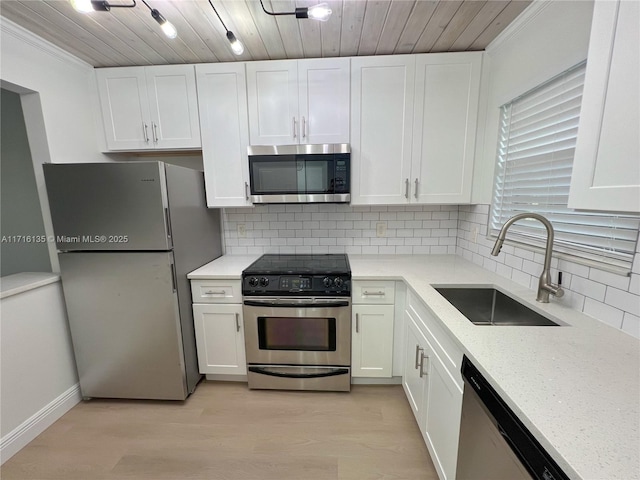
point(624, 300)
point(604, 313)
point(611, 279)
point(588, 288)
point(631, 324)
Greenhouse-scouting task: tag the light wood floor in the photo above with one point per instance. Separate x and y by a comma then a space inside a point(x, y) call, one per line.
point(225, 431)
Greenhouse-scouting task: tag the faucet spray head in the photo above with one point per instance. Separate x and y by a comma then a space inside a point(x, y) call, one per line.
point(497, 247)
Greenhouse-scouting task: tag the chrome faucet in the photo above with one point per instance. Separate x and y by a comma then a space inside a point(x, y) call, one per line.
point(545, 287)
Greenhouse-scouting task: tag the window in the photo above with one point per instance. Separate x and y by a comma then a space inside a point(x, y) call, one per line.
point(536, 145)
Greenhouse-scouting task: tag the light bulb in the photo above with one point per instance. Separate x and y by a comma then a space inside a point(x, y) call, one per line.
point(167, 27)
point(169, 30)
point(236, 45)
point(320, 12)
point(82, 6)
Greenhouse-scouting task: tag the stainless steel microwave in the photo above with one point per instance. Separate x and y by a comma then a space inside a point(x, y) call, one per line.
point(300, 173)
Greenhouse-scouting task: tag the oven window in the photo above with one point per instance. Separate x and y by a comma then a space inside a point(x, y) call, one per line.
point(295, 333)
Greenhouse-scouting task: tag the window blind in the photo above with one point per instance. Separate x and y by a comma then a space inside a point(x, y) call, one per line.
point(537, 139)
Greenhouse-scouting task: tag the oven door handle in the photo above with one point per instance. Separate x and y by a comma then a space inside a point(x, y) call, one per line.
point(258, 303)
point(330, 373)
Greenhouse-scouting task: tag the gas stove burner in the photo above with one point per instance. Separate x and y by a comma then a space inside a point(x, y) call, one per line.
point(305, 274)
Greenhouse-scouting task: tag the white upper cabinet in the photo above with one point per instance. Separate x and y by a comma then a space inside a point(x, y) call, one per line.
point(222, 103)
point(324, 100)
point(606, 167)
point(381, 123)
point(146, 108)
point(444, 126)
point(413, 123)
point(298, 101)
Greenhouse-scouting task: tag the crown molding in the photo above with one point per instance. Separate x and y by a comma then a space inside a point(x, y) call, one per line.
point(7, 27)
point(527, 16)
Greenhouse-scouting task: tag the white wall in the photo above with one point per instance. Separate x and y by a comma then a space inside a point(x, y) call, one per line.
point(38, 378)
point(66, 88)
point(58, 96)
point(553, 38)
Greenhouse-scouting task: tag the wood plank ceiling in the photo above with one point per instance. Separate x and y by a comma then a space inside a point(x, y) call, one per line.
point(129, 36)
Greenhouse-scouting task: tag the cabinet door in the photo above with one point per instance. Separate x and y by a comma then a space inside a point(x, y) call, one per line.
point(443, 408)
point(220, 339)
point(413, 382)
point(125, 108)
point(272, 92)
point(372, 341)
point(381, 125)
point(324, 100)
point(606, 170)
point(444, 127)
point(174, 106)
point(225, 133)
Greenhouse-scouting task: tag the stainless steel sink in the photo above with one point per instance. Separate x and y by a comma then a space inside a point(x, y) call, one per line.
point(488, 306)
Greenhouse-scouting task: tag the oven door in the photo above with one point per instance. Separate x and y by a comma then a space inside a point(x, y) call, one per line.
point(298, 331)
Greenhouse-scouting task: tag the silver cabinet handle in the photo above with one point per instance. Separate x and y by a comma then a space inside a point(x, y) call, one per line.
point(237, 322)
point(246, 191)
point(146, 132)
point(357, 323)
point(406, 189)
point(215, 292)
point(294, 127)
point(418, 350)
point(423, 357)
point(379, 293)
point(155, 132)
point(304, 128)
point(416, 192)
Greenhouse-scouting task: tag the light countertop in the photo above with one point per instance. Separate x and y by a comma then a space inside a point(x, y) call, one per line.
point(576, 387)
point(25, 281)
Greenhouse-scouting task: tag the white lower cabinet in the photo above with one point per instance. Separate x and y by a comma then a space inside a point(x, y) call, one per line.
point(220, 338)
point(434, 395)
point(372, 326)
point(372, 341)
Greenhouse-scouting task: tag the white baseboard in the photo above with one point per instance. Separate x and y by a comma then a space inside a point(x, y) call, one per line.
point(20, 436)
point(376, 381)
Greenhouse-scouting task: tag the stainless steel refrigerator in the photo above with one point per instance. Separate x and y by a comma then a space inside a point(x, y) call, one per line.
point(127, 235)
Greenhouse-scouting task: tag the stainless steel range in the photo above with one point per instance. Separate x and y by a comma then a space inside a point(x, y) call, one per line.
point(297, 315)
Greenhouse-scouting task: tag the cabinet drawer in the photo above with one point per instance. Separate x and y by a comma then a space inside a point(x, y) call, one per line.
point(443, 345)
point(216, 291)
point(373, 292)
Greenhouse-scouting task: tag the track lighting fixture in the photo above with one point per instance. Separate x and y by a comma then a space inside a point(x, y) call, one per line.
point(320, 12)
point(236, 45)
point(85, 6)
point(167, 27)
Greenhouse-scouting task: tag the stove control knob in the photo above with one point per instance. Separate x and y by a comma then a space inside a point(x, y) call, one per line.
point(327, 282)
point(264, 281)
point(253, 282)
point(338, 282)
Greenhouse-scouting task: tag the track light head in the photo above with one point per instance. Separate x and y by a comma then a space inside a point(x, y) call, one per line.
point(236, 45)
point(167, 27)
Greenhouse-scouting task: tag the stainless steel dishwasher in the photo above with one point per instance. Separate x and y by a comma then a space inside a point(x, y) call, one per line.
point(494, 444)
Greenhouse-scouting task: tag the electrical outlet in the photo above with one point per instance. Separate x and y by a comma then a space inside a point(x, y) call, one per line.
point(381, 229)
point(474, 235)
point(242, 230)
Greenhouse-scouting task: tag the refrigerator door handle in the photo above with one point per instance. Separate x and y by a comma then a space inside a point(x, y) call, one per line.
point(168, 220)
point(174, 277)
